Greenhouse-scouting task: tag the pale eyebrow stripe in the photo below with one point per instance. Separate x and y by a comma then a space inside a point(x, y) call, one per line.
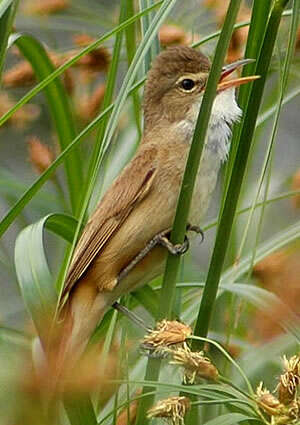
point(197, 77)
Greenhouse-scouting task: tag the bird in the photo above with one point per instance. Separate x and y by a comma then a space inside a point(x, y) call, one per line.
point(125, 241)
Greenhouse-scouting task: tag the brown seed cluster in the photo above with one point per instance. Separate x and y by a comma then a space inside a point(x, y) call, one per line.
point(89, 105)
point(284, 408)
point(40, 155)
point(196, 366)
point(278, 273)
point(45, 7)
point(172, 34)
point(21, 117)
point(169, 339)
point(167, 333)
point(87, 95)
point(289, 380)
point(172, 409)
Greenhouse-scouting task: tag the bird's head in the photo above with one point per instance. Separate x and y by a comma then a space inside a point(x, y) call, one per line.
point(176, 83)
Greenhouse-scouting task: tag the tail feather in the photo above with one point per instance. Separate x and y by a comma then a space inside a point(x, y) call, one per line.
point(78, 319)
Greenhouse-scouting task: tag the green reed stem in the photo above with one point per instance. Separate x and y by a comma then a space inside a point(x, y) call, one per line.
point(230, 205)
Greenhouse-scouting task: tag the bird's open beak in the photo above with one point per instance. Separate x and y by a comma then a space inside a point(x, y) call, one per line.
point(228, 69)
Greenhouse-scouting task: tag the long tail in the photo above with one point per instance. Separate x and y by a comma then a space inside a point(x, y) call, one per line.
point(78, 319)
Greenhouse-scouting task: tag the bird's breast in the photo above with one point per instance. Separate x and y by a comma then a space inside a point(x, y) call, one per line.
point(205, 183)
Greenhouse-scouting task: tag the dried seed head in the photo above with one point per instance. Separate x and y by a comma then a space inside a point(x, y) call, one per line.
point(41, 157)
point(172, 409)
point(294, 410)
point(172, 34)
point(269, 403)
point(95, 61)
point(166, 333)
point(45, 7)
point(19, 75)
point(195, 365)
point(82, 40)
point(21, 117)
point(89, 106)
point(289, 381)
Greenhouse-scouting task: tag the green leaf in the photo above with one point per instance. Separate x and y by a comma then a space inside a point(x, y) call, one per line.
point(34, 277)
point(63, 225)
point(230, 419)
point(228, 212)
point(60, 109)
point(7, 14)
point(80, 411)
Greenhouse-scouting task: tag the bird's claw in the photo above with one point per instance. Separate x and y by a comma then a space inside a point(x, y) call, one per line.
point(196, 229)
point(177, 249)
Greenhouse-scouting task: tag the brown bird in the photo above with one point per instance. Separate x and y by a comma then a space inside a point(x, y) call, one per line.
point(113, 255)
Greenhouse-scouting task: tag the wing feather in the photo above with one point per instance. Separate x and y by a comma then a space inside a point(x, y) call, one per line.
point(125, 193)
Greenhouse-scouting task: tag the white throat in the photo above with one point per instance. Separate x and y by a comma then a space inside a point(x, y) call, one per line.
point(225, 112)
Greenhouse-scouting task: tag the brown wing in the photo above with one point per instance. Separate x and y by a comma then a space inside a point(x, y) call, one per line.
point(128, 189)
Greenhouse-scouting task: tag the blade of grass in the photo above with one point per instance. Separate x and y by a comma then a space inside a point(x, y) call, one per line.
point(231, 419)
point(260, 15)
point(228, 212)
point(145, 23)
point(194, 158)
point(60, 109)
point(243, 24)
point(108, 98)
point(7, 14)
point(130, 37)
point(283, 84)
point(34, 277)
point(80, 411)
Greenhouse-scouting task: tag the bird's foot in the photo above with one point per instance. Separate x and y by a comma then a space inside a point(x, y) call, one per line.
point(196, 229)
point(162, 239)
point(175, 249)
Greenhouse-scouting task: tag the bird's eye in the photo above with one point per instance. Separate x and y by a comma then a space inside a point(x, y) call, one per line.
point(187, 84)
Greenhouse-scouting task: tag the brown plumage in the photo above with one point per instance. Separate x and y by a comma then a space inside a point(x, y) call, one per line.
point(142, 201)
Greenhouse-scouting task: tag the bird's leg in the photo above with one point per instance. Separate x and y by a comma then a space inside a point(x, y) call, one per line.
point(163, 240)
point(159, 239)
point(131, 316)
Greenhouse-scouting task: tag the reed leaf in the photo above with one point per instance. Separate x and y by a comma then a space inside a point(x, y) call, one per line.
point(230, 205)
